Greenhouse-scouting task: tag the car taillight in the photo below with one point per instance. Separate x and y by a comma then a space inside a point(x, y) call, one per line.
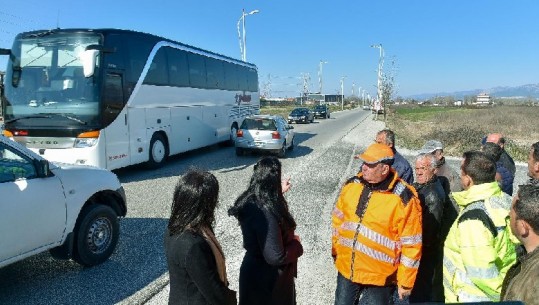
point(275, 135)
point(239, 133)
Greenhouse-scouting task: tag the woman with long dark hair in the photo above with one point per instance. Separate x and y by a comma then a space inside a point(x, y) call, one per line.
point(195, 259)
point(272, 250)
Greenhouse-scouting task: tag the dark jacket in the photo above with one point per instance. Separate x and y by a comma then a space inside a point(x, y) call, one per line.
point(194, 279)
point(508, 162)
point(506, 184)
point(428, 285)
point(520, 283)
point(270, 262)
point(403, 168)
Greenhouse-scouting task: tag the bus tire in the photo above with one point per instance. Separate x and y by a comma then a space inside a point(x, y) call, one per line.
point(233, 134)
point(158, 151)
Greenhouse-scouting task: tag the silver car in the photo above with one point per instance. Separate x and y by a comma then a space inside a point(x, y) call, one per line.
point(265, 133)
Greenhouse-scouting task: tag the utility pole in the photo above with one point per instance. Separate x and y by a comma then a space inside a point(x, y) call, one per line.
point(320, 75)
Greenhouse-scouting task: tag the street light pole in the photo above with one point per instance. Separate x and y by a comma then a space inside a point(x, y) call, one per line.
point(320, 74)
point(380, 66)
point(243, 47)
point(342, 92)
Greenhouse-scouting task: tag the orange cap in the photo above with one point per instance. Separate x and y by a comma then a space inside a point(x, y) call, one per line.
point(376, 153)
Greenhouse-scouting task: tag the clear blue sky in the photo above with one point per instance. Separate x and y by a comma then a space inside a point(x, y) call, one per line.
point(437, 46)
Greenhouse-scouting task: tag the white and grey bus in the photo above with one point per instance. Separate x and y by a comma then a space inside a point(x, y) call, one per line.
point(113, 98)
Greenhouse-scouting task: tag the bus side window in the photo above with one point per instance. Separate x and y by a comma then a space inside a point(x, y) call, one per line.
point(113, 98)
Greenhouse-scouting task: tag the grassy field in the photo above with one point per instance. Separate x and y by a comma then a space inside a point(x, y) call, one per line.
point(461, 129)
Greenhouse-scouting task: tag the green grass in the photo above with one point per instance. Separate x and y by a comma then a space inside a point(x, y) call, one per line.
point(461, 129)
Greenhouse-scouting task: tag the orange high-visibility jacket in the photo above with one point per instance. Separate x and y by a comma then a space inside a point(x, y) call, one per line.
point(384, 246)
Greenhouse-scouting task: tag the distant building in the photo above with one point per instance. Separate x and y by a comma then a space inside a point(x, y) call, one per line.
point(482, 99)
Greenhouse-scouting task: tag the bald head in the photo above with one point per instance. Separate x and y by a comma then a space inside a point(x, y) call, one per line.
point(496, 138)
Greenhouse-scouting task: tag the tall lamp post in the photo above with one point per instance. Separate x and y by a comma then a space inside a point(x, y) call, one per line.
point(380, 66)
point(342, 92)
point(320, 74)
point(243, 47)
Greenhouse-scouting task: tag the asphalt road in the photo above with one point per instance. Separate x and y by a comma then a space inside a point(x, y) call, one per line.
point(137, 272)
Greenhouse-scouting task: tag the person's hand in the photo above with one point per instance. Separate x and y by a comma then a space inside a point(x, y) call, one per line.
point(285, 184)
point(404, 292)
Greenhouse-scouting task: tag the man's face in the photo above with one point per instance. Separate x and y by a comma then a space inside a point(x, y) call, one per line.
point(465, 180)
point(513, 218)
point(380, 138)
point(374, 173)
point(533, 166)
point(423, 171)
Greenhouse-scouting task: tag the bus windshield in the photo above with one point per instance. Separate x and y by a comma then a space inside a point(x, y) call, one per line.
point(45, 79)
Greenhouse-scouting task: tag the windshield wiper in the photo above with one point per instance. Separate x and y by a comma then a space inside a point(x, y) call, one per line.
point(48, 116)
point(29, 117)
point(71, 118)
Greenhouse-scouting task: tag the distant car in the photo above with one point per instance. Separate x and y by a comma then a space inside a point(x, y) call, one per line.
point(70, 210)
point(299, 115)
point(366, 107)
point(321, 111)
point(265, 133)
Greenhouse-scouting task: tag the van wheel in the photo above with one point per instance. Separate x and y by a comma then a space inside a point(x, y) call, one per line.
point(96, 235)
point(158, 151)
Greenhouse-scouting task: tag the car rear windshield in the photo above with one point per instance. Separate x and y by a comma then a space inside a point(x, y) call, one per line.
point(258, 124)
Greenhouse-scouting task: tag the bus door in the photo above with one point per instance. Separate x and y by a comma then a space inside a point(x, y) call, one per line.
point(114, 111)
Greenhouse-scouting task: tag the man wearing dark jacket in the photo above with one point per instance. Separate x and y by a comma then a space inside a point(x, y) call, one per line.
point(400, 164)
point(505, 158)
point(428, 285)
point(520, 283)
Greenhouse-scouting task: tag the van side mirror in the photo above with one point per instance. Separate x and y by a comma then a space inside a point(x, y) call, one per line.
point(42, 167)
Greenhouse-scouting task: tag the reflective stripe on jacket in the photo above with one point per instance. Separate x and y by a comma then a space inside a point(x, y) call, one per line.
point(383, 247)
point(478, 250)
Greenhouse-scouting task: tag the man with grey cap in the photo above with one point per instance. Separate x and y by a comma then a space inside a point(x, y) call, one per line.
point(436, 148)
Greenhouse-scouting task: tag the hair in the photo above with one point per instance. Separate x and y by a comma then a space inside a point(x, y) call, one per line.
point(432, 160)
point(535, 153)
point(390, 136)
point(266, 192)
point(194, 201)
point(527, 205)
point(494, 151)
point(479, 167)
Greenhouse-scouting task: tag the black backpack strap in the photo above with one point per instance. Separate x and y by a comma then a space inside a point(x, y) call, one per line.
point(477, 211)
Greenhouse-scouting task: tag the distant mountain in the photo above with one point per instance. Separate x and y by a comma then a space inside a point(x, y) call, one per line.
point(524, 91)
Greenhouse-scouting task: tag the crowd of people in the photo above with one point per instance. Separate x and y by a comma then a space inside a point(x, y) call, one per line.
point(441, 236)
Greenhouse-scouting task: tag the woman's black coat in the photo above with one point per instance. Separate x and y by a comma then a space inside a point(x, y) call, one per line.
point(194, 279)
point(270, 263)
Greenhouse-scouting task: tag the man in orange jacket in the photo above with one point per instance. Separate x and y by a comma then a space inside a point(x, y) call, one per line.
point(377, 233)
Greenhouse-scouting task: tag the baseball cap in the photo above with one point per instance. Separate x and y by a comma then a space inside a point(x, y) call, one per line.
point(376, 153)
point(431, 146)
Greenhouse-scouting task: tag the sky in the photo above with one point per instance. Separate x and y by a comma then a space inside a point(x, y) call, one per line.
point(429, 46)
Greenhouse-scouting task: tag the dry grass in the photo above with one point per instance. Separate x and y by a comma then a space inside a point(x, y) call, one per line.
point(461, 129)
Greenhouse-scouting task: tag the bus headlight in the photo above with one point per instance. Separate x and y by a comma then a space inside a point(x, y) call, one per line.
point(86, 139)
point(85, 142)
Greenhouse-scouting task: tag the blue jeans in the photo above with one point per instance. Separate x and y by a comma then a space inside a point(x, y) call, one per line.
point(350, 293)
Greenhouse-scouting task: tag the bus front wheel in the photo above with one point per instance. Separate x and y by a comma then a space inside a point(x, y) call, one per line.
point(158, 151)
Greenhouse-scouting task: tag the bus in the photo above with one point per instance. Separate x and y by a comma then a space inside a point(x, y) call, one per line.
point(113, 98)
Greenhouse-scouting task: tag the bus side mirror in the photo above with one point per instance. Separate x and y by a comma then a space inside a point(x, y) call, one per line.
point(88, 59)
point(5, 51)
